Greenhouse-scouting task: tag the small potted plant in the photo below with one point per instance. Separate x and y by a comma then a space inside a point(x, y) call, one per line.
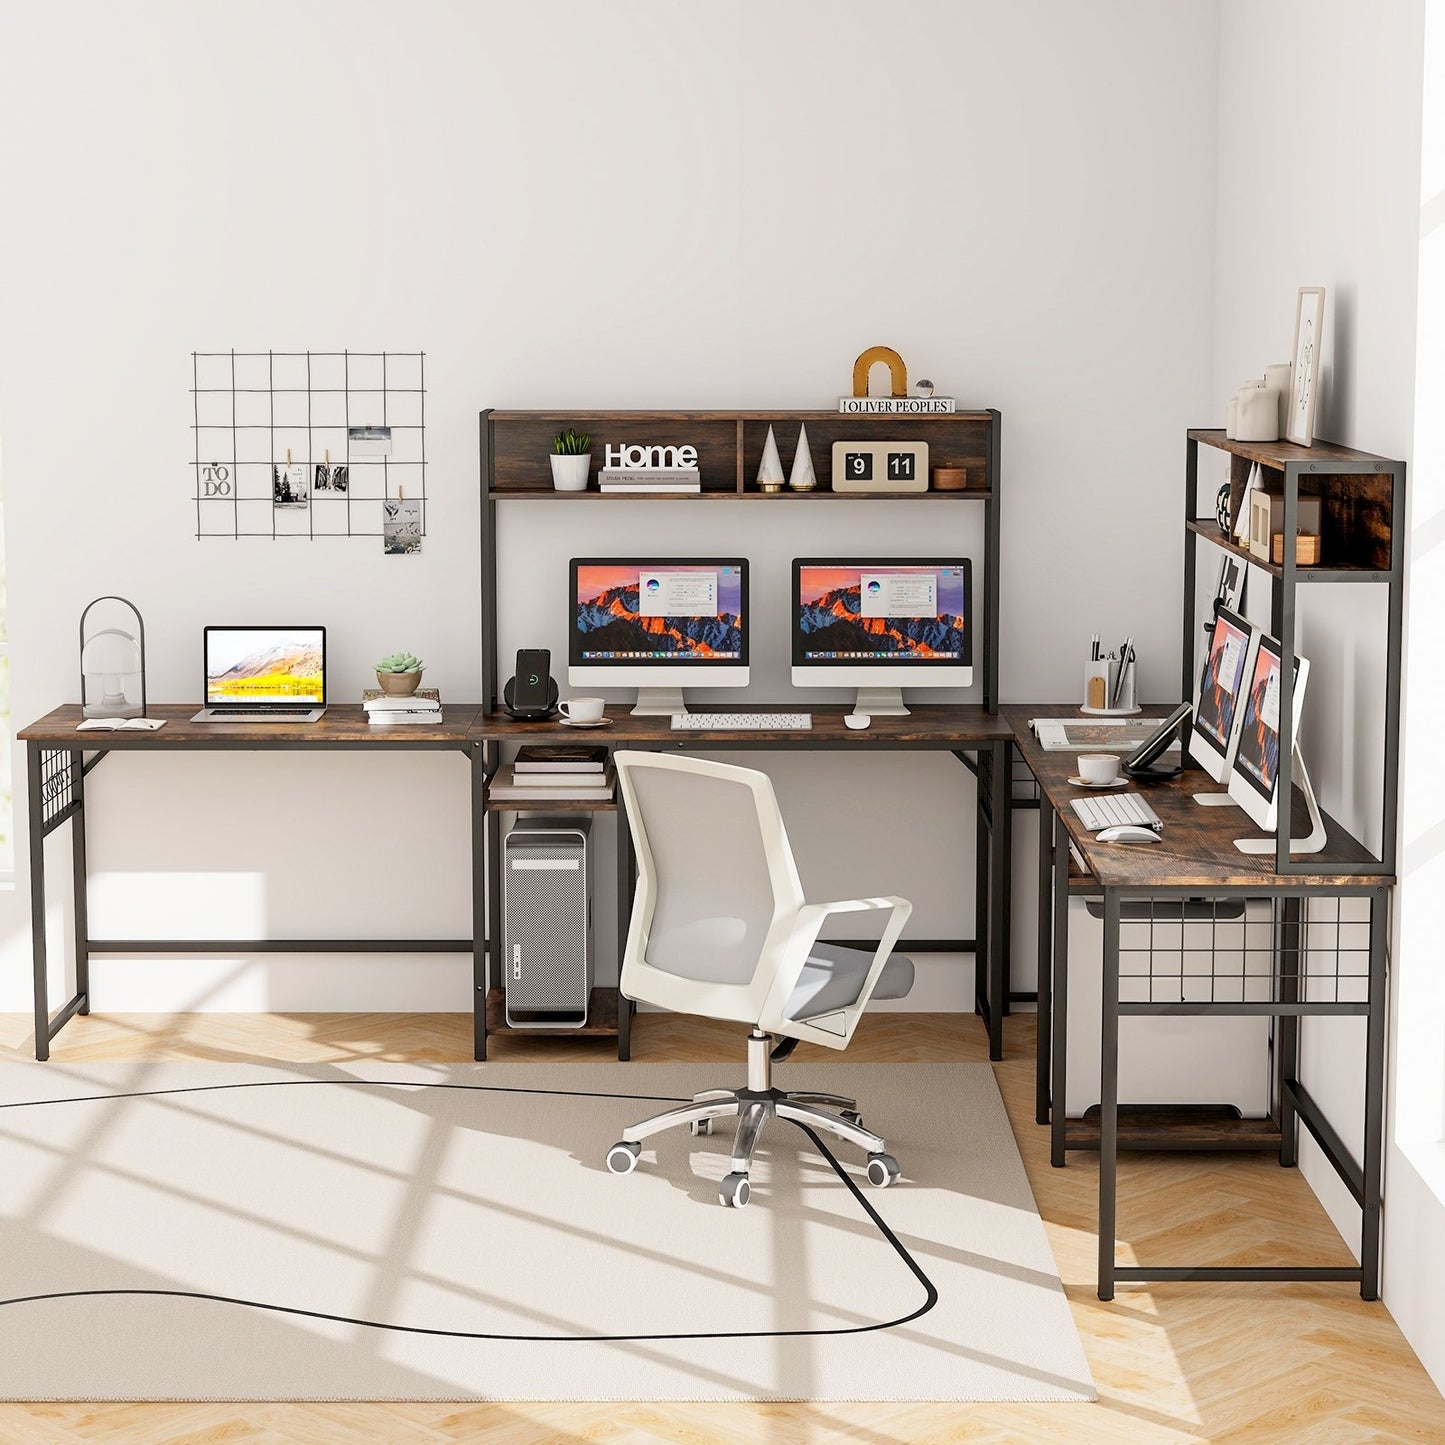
point(571, 460)
point(399, 674)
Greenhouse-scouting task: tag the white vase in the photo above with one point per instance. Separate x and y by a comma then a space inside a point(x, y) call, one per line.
point(1278, 378)
point(569, 473)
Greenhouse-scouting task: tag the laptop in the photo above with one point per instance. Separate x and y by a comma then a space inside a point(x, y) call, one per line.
point(264, 674)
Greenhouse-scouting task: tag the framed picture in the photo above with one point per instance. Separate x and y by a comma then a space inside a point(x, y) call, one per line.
point(1229, 586)
point(1309, 316)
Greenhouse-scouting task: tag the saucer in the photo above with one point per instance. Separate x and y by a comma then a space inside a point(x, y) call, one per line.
point(1113, 783)
point(601, 722)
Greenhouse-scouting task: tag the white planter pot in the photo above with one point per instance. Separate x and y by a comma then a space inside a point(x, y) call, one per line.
point(569, 474)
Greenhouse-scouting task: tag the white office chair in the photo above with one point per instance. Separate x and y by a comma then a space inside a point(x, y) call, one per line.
point(720, 928)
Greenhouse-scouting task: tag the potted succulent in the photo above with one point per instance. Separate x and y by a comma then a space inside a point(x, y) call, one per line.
point(399, 674)
point(571, 460)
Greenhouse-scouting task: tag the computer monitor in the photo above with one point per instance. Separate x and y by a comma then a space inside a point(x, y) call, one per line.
point(1215, 733)
point(651, 623)
point(881, 625)
point(1254, 778)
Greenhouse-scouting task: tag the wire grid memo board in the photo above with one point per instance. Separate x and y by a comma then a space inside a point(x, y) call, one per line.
point(309, 443)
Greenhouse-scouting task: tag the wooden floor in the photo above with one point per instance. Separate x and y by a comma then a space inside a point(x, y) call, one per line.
point(1257, 1363)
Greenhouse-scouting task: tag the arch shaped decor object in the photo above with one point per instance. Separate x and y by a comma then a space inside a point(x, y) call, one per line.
point(897, 372)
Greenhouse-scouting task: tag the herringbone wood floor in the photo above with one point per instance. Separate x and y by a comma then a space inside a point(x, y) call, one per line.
point(1181, 1362)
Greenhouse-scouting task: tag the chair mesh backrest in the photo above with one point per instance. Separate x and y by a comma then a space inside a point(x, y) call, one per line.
point(714, 894)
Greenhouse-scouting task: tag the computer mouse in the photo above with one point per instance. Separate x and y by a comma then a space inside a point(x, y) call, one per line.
point(1127, 833)
point(856, 720)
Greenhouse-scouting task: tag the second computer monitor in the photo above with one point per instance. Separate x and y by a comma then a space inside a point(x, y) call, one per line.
point(656, 624)
point(1232, 649)
point(881, 625)
point(1254, 781)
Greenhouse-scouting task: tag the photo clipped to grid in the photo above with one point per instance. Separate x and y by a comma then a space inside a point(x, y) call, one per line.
point(310, 444)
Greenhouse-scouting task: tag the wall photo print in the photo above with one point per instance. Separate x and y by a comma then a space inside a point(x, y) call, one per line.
point(401, 526)
point(330, 478)
point(288, 485)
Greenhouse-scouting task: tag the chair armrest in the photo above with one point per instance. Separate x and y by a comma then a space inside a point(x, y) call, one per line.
point(806, 927)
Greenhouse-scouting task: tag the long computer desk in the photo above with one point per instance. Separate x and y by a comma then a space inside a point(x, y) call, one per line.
point(1316, 963)
point(58, 759)
point(56, 767)
point(981, 741)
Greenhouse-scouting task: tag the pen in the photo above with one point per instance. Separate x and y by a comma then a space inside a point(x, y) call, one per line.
point(1126, 656)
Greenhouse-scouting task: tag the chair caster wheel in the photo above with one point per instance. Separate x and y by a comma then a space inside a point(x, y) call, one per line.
point(622, 1158)
point(701, 1126)
point(882, 1170)
point(853, 1117)
point(734, 1191)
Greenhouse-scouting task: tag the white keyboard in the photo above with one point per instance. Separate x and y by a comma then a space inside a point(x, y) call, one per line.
point(1096, 814)
point(726, 722)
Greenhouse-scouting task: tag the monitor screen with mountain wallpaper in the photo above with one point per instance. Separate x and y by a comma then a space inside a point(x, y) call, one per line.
point(658, 622)
point(265, 665)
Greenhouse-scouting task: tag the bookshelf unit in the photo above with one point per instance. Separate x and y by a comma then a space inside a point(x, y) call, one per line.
point(1362, 528)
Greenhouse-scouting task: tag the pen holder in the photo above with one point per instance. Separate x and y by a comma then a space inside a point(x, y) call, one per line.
point(1100, 679)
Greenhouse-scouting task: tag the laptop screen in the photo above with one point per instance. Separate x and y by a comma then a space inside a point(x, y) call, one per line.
point(265, 665)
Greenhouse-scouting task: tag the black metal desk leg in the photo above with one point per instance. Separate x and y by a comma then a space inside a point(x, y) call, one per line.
point(1000, 867)
point(1059, 996)
point(624, 921)
point(1109, 1098)
point(1046, 926)
point(34, 787)
point(1287, 1027)
point(1374, 1098)
point(478, 759)
point(983, 834)
point(82, 887)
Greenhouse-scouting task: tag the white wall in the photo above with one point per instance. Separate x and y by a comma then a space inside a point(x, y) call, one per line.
point(1319, 175)
point(566, 203)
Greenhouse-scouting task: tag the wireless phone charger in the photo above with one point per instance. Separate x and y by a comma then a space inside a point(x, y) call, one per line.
point(530, 714)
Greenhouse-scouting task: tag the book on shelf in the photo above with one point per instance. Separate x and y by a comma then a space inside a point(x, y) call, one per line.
point(895, 405)
point(424, 699)
point(649, 479)
point(560, 758)
point(507, 787)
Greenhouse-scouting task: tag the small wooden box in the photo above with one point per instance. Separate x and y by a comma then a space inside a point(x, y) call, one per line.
point(1266, 522)
point(1306, 549)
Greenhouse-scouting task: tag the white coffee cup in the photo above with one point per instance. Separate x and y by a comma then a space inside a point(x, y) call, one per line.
point(1098, 767)
point(583, 709)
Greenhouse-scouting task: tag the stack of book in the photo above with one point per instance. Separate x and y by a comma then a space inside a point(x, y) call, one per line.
point(649, 479)
point(384, 709)
point(555, 774)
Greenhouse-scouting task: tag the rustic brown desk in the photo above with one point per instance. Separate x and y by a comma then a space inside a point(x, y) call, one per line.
point(1193, 866)
point(959, 729)
point(56, 767)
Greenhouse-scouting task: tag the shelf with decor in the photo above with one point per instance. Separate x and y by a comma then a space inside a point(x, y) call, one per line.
point(1360, 539)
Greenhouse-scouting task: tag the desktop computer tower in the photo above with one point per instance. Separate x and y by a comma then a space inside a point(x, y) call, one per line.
point(547, 950)
point(1180, 954)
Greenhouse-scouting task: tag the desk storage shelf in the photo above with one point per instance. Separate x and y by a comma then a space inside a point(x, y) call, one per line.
point(516, 447)
point(1362, 529)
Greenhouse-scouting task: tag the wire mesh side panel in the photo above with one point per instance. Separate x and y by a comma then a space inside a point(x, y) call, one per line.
point(57, 785)
point(306, 443)
point(1023, 786)
point(1233, 950)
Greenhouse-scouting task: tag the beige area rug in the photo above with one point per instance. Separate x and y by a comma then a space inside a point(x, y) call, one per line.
point(417, 1232)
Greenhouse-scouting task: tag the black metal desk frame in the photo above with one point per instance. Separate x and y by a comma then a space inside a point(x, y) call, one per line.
point(990, 760)
point(1292, 1104)
point(56, 787)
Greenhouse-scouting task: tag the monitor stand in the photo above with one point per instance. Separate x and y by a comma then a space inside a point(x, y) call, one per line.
point(1313, 841)
point(880, 702)
point(659, 702)
point(1215, 800)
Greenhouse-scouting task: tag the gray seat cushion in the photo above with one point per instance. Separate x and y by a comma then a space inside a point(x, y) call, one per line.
point(833, 978)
